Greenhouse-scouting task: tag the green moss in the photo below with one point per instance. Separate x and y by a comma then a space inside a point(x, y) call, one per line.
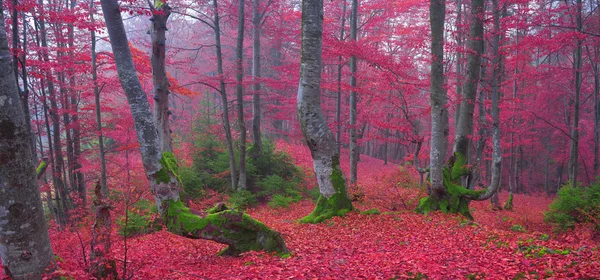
point(337, 204)
point(373, 211)
point(509, 203)
point(41, 167)
point(225, 225)
point(180, 220)
point(169, 168)
point(455, 200)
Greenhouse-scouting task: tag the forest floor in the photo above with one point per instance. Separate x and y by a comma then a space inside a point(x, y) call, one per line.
point(396, 244)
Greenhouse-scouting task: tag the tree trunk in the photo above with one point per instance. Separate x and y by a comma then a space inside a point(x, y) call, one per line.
point(223, 225)
point(240, 94)
point(256, 75)
point(159, 19)
point(338, 101)
point(333, 200)
point(24, 243)
point(574, 149)
point(354, 151)
point(103, 185)
point(224, 103)
point(446, 192)
point(459, 57)
point(101, 266)
point(78, 178)
point(467, 107)
point(57, 174)
point(439, 114)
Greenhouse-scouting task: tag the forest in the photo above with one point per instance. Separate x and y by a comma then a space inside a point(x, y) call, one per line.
point(300, 139)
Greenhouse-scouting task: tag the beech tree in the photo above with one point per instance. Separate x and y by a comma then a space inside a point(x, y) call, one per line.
point(446, 193)
point(239, 50)
point(221, 224)
point(354, 151)
point(333, 200)
point(256, 75)
point(24, 243)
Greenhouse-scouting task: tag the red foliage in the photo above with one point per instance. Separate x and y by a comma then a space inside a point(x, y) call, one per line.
point(393, 244)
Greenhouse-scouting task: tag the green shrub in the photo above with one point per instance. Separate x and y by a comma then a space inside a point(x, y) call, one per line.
point(242, 199)
point(280, 201)
point(294, 194)
point(140, 219)
point(271, 184)
point(575, 205)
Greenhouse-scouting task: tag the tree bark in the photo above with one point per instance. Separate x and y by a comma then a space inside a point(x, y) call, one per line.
point(439, 115)
point(161, 13)
point(224, 103)
point(574, 149)
point(98, 110)
point(63, 203)
point(354, 151)
point(256, 75)
point(333, 200)
point(467, 107)
point(24, 243)
point(226, 226)
point(78, 176)
point(338, 101)
point(239, 51)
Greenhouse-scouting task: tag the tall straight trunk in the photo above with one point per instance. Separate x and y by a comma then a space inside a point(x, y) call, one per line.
point(256, 112)
point(24, 243)
point(482, 134)
point(596, 116)
point(98, 110)
point(66, 106)
point(24, 94)
point(475, 49)
point(574, 149)
point(354, 151)
point(224, 103)
point(334, 199)
point(77, 174)
point(459, 57)
point(15, 39)
point(495, 84)
point(159, 74)
point(596, 70)
point(338, 101)
point(239, 50)
point(222, 224)
point(438, 98)
point(55, 210)
point(57, 174)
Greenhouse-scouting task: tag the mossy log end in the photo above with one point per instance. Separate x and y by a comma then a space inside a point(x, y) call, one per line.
point(337, 204)
point(454, 198)
point(224, 225)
